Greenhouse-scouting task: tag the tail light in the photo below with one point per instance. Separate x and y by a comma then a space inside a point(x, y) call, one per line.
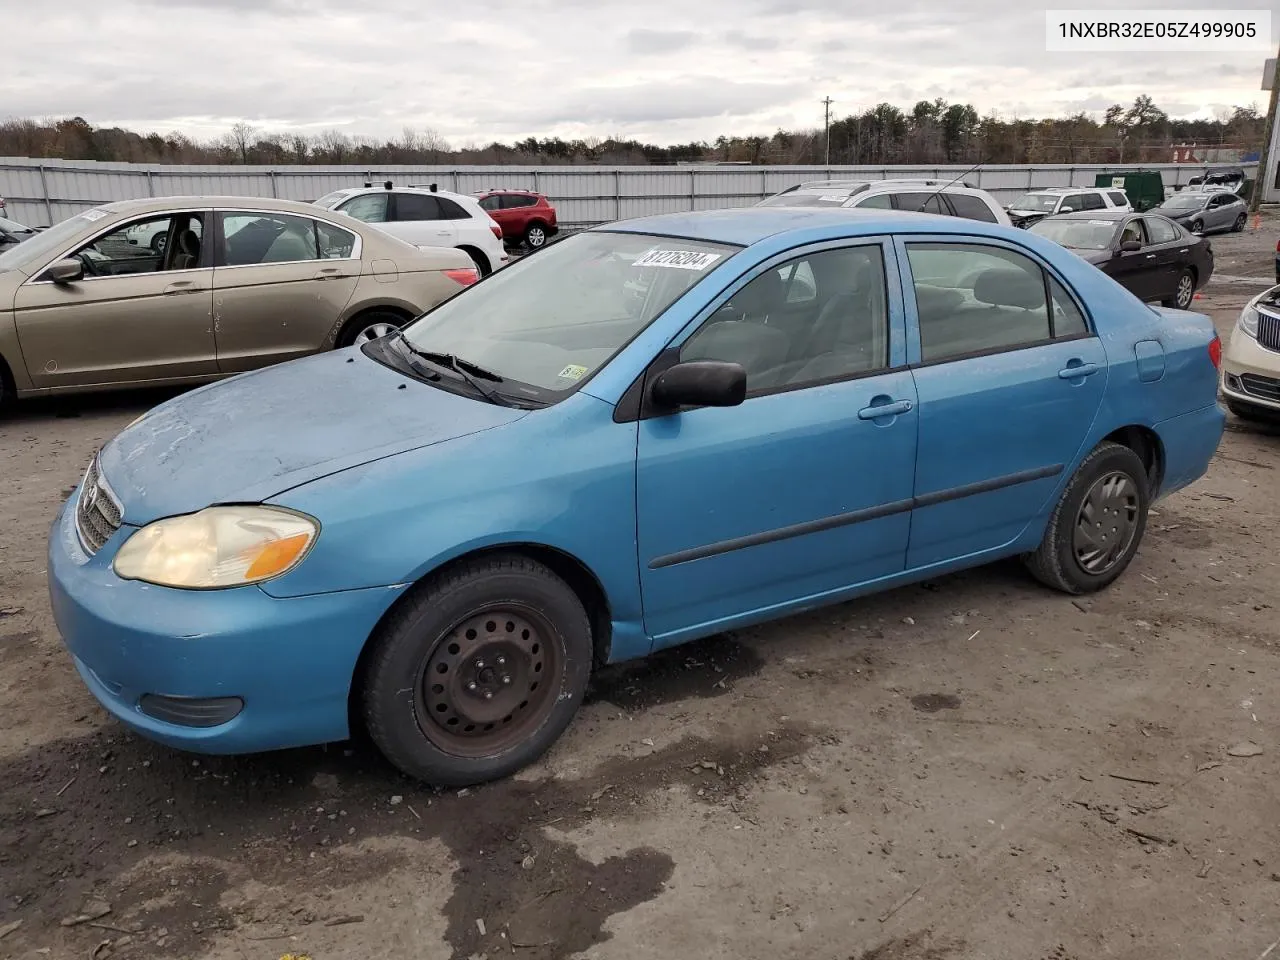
point(463, 275)
point(1215, 351)
point(496, 230)
point(1277, 242)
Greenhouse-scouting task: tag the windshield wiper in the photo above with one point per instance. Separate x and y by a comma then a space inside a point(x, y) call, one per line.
point(464, 368)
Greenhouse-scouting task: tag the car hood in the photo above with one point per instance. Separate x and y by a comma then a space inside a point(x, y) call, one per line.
point(256, 435)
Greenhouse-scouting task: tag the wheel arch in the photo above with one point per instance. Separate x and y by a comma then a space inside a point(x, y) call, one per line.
point(479, 256)
point(573, 571)
point(391, 306)
point(1146, 443)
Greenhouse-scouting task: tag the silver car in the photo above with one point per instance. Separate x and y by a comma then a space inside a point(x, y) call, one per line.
point(1206, 211)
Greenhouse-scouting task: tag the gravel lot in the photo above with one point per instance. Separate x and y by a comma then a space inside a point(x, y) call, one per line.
point(969, 768)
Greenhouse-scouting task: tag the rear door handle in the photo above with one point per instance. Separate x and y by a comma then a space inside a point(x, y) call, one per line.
point(180, 287)
point(1076, 371)
point(1151, 256)
point(890, 408)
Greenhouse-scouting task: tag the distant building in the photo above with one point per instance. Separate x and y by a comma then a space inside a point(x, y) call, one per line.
point(1194, 153)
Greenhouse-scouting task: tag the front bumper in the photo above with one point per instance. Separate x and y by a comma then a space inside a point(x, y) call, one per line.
point(1251, 372)
point(290, 661)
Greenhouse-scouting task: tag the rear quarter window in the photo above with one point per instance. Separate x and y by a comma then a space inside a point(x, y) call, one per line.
point(1118, 198)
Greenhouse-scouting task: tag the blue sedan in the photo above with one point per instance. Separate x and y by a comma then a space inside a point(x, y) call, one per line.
point(643, 434)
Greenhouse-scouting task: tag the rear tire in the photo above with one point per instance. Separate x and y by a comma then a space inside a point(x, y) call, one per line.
point(1097, 525)
point(479, 259)
point(368, 326)
point(478, 672)
point(1183, 293)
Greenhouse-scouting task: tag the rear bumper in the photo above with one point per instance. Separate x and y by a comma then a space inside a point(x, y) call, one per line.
point(289, 662)
point(1189, 443)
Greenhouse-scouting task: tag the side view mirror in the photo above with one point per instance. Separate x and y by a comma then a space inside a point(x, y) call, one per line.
point(1066, 208)
point(66, 271)
point(701, 383)
point(1129, 246)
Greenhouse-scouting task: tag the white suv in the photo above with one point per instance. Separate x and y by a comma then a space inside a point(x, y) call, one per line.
point(946, 197)
point(426, 217)
point(1035, 205)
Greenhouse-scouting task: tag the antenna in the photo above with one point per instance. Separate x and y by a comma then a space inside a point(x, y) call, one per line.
point(826, 126)
point(950, 183)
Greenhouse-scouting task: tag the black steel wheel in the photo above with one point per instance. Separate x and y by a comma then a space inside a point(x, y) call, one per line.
point(477, 672)
point(1097, 525)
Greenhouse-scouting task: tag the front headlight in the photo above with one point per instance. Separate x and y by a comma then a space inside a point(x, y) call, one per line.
point(217, 547)
point(1248, 321)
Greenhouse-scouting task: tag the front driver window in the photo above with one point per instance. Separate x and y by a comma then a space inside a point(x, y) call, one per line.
point(841, 331)
point(1132, 231)
point(143, 246)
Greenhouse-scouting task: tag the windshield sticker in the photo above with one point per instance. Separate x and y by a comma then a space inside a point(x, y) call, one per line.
point(830, 198)
point(677, 259)
point(1102, 223)
point(573, 371)
point(92, 215)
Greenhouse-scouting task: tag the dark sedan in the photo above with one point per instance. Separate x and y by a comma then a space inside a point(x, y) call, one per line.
point(1206, 211)
point(1148, 254)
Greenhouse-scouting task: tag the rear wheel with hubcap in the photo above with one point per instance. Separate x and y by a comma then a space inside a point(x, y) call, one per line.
point(368, 326)
point(1096, 527)
point(478, 672)
point(1184, 292)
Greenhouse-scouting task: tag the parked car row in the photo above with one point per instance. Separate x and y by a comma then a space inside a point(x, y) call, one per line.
point(183, 290)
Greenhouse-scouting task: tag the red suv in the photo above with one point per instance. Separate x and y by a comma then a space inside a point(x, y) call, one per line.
point(525, 217)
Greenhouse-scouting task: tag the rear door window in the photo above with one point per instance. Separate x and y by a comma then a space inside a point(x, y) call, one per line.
point(971, 208)
point(1161, 230)
point(417, 206)
point(1091, 201)
point(877, 201)
point(920, 203)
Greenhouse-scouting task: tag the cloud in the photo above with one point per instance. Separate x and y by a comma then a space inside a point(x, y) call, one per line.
point(643, 41)
point(659, 72)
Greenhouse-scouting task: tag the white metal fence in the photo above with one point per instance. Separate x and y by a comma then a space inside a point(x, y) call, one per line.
point(42, 192)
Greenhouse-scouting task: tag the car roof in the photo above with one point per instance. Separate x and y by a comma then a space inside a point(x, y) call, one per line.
point(1066, 189)
point(744, 226)
point(524, 193)
point(148, 204)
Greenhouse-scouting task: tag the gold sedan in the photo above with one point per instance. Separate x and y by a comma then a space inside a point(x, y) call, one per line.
point(183, 290)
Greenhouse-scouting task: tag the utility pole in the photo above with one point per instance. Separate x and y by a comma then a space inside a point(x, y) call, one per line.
point(1265, 159)
point(826, 123)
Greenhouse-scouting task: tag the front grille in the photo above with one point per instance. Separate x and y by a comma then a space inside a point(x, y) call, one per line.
point(98, 512)
point(1268, 331)
point(1264, 388)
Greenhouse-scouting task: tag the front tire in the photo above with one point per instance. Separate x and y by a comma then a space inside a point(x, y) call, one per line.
point(1196, 227)
point(535, 237)
point(1238, 226)
point(1097, 526)
point(478, 672)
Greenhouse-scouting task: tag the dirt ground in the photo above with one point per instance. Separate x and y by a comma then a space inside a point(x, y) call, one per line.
point(969, 768)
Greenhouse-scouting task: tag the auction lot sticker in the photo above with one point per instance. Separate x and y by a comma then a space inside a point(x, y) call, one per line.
point(677, 259)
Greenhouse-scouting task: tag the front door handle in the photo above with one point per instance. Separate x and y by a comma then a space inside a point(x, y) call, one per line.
point(885, 408)
point(329, 273)
point(180, 287)
point(1075, 370)
point(1151, 256)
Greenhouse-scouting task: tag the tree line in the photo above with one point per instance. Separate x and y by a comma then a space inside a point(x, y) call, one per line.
point(930, 132)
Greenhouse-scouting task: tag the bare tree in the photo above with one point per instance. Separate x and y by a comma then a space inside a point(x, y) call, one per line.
point(241, 136)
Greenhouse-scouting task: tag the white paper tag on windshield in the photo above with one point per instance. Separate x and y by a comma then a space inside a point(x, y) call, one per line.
point(92, 215)
point(1103, 223)
point(677, 259)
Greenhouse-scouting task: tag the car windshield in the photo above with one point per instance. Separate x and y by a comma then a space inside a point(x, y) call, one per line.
point(1184, 201)
point(1080, 234)
point(49, 241)
point(1035, 201)
point(798, 199)
point(329, 200)
point(549, 321)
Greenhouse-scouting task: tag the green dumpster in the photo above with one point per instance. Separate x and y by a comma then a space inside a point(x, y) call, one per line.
point(1145, 189)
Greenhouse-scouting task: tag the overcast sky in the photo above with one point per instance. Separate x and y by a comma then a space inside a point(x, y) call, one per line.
point(657, 71)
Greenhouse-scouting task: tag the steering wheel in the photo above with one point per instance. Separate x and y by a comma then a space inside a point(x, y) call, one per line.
point(90, 267)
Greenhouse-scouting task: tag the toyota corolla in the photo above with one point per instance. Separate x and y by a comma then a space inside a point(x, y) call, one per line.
point(650, 432)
